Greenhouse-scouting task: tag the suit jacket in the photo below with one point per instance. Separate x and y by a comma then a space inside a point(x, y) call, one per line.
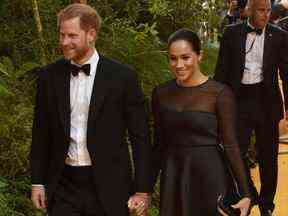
point(231, 63)
point(116, 106)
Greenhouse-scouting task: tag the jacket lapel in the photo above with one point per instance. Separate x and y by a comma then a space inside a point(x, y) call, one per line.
point(63, 96)
point(99, 91)
point(100, 88)
point(242, 42)
point(267, 48)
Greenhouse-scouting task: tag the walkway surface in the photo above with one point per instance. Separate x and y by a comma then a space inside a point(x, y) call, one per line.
point(281, 199)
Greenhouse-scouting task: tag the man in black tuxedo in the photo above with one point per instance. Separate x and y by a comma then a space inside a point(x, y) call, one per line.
point(85, 105)
point(250, 56)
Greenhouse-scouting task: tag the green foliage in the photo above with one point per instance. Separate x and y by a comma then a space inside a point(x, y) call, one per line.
point(2, 69)
point(153, 211)
point(200, 16)
point(159, 8)
point(15, 124)
point(139, 47)
point(13, 197)
point(3, 89)
point(15, 138)
point(210, 54)
point(16, 32)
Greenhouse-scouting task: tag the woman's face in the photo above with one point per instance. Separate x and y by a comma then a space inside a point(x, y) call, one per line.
point(184, 62)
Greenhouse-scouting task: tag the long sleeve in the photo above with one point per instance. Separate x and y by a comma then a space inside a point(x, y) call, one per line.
point(157, 145)
point(138, 129)
point(284, 79)
point(284, 68)
point(40, 134)
point(226, 113)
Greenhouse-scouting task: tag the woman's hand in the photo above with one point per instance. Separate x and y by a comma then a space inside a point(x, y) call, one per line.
point(139, 204)
point(243, 205)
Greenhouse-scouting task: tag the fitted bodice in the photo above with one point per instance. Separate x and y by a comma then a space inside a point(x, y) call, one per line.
point(190, 113)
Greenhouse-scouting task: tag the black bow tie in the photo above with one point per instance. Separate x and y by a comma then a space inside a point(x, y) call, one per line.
point(250, 29)
point(76, 69)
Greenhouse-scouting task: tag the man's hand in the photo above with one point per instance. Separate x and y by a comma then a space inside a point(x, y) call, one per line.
point(286, 119)
point(139, 203)
point(232, 7)
point(284, 3)
point(38, 197)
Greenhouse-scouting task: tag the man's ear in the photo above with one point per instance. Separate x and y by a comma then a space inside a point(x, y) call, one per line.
point(91, 35)
point(247, 10)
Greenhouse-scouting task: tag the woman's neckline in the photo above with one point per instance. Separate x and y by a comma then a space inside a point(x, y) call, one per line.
point(192, 86)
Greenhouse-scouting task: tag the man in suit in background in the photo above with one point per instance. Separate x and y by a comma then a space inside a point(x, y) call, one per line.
point(250, 56)
point(85, 104)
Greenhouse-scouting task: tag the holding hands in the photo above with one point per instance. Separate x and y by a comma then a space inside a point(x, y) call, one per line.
point(139, 203)
point(38, 197)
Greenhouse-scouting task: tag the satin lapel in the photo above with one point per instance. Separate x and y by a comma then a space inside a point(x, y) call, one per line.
point(242, 42)
point(100, 88)
point(63, 96)
point(267, 48)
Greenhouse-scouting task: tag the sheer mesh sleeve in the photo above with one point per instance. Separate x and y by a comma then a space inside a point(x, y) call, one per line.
point(157, 144)
point(226, 112)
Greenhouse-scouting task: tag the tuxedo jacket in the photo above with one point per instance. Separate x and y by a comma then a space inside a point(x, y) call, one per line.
point(116, 107)
point(231, 62)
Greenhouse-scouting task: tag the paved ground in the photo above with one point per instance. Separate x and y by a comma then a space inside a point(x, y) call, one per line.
point(282, 192)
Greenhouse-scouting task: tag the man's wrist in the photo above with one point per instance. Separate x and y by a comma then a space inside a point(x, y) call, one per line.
point(38, 186)
point(142, 194)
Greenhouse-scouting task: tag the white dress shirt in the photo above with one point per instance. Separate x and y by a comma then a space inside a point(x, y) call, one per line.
point(253, 71)
point(81, 87)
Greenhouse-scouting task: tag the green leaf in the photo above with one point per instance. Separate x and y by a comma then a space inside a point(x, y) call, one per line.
point(3, 184)
point(2, 70)
point(3, 90)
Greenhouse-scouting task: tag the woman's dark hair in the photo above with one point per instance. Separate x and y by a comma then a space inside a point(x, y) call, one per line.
point(186, 35)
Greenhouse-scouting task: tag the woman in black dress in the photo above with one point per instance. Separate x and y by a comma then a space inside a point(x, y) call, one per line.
point(194, 119)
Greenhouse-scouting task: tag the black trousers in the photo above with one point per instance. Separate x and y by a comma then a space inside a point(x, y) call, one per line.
point(76, 194)
point(254, 118)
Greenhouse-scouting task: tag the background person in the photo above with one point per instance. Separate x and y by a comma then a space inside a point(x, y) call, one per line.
point(250, 57)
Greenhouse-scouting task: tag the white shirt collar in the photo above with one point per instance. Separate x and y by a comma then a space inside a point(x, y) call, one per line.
point(249, 24)
point(93, 60)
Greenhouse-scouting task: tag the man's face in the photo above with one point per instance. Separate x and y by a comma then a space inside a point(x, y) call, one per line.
point(74, 41)
point(260, 13)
